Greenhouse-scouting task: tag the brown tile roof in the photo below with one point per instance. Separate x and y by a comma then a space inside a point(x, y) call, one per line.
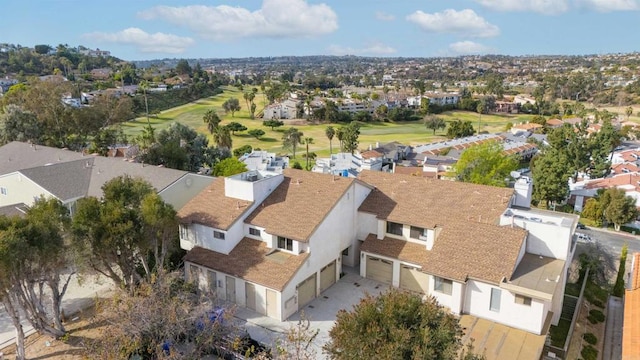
point(631, 327)
point(371, 154)
point(555, 122)
point(299, 204)
point(527, 126)
point(620, 168)
point(252, 261)
point(410, 170)
point(629, 181)
point(212, 208)
point(429, 203)
point(469, 250)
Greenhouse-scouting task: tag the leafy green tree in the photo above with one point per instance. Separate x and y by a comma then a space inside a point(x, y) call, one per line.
point(244, 149)
point(551, 171)
point(296, 165)
point(619, 208)
point(212, 120)
point(235, 126)
point(231, 106)
point(434, 123)
point(273, 123)
point(330, 132)
point(256, 133)
point(618, 287)
point(460, 129)
point(592, 210)
point(350, 135)
point(291, 138)
point(485, 164)
point(628, 111)
point(424, 106)
point(229, 167)
point(106, 138)
point(183, 67)
point(601, 145)
point(395, 325)
point(17, 124)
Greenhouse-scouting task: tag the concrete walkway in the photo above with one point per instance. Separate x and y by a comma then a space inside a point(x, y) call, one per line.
point(79, 296)
point(613, 329)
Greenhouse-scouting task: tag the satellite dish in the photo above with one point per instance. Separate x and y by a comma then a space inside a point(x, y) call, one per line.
point(515, 174)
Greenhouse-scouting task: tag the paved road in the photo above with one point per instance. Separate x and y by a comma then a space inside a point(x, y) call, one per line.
point(612, 242)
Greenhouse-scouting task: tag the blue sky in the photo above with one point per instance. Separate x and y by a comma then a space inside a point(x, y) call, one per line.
point(146, 29)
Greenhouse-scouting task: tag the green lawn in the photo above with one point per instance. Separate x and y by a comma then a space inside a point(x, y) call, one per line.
point(412, 133)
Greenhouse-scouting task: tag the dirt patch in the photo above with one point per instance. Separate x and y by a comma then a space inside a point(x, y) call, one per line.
point(582, 327)
point(81, 328)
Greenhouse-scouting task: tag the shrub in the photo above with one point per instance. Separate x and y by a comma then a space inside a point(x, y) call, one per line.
point(589, 353)
point(595, 316)
point(597, 303)
point(590, 338)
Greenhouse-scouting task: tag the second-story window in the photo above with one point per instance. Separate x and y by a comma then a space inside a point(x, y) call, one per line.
point(285, 243)
point(394, 228)
point(184, 232)
point(218, 235)
point(254, 232)
point(417, 232)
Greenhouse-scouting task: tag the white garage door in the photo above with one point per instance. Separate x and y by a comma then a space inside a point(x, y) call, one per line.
point(327, 276)
point(413, 280)
point(379, 269)
point(306, 291)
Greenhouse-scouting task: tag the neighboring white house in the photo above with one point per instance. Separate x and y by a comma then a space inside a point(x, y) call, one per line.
point(283, 110)
point(264, 160)
point(273, 242)
point(28, 172)
point(350, 165)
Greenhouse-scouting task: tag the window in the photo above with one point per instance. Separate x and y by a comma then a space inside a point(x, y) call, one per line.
point(417, 232)
point(444, 286)
point(194, 272)
point(523, 300)
point(218, 235)
point(184, 232)
point(345, 252)
point(3, 190)
point(494, 305)
point(284, 243)
point(254, 231)
point(394, 228)
point(211, 279)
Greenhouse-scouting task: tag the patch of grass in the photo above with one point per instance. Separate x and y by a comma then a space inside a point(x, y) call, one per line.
point(559, 333)
point(595, 316)
point(590, 338)
point(589, 353)
point(572, 289)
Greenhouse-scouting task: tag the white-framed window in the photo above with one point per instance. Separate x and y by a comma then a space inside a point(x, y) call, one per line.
point(3, 191)
point(523, 300)
point(394, 228)
point(254, 232)
point(494, 304)
point(442, 285)
point(417, 232)
point(218, 234)
point(285, 243)
point(184, 231)
point(212, 280)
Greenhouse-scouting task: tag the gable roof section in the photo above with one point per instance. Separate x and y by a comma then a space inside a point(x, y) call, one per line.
point(252, 261)
point(631, 327)
point(212, 208)
point(17, 155)
point(299, 204)
point(65, 180)
point(474, 250)
point(429, 203)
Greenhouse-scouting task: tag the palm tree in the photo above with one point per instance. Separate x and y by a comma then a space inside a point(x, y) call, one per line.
point(291, 138)
point(212, 120)
point(629, 112)
point(308, 141)
point(143, 86)
point(340, 136)
point(480, 109)
point(222, 137)
point(330, 132)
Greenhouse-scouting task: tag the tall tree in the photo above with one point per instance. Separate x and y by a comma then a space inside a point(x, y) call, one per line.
point(291, 138)
point(307, 141)
point(222, 137)
point(330, 132)
point(460, 129)
point(618, 208)
point(395, 325)
point(231, 106)
point(485, 164)
point(273, 123)
point(229, 166)
point(551, 171)
point(16, 124)
point(350, 135)
point(434, 123)
point(212, 120)
point(629, 112)
point(183, 67)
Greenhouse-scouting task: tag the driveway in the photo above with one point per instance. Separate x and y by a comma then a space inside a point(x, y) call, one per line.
point(79, 296)
point(321, 312)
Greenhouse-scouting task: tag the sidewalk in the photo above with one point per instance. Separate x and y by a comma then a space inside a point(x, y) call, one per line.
point(613, 330)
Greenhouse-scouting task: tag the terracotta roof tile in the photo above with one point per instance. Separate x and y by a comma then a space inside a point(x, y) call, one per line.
point(554, 122)
point(299, 204)
point(631, 327)
point(469, 250)
point(253, 261)
point(212, 208)
point(371, 154)
point(527, 126)
point(429, 203)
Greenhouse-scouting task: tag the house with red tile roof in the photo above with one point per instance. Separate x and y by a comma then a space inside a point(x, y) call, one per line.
point(273, 242)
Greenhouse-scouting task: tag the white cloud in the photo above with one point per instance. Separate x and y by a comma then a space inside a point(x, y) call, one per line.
point(464, 22)
point(275, 19)
point(469, 48)
point(383, 16)
point(373, 49)
point(611, 5)
point(145, 42)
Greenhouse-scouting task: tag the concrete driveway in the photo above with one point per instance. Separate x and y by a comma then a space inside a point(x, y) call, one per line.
point(321, 312)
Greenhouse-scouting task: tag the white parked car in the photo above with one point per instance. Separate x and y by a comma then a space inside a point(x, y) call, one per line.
point(584, 237)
